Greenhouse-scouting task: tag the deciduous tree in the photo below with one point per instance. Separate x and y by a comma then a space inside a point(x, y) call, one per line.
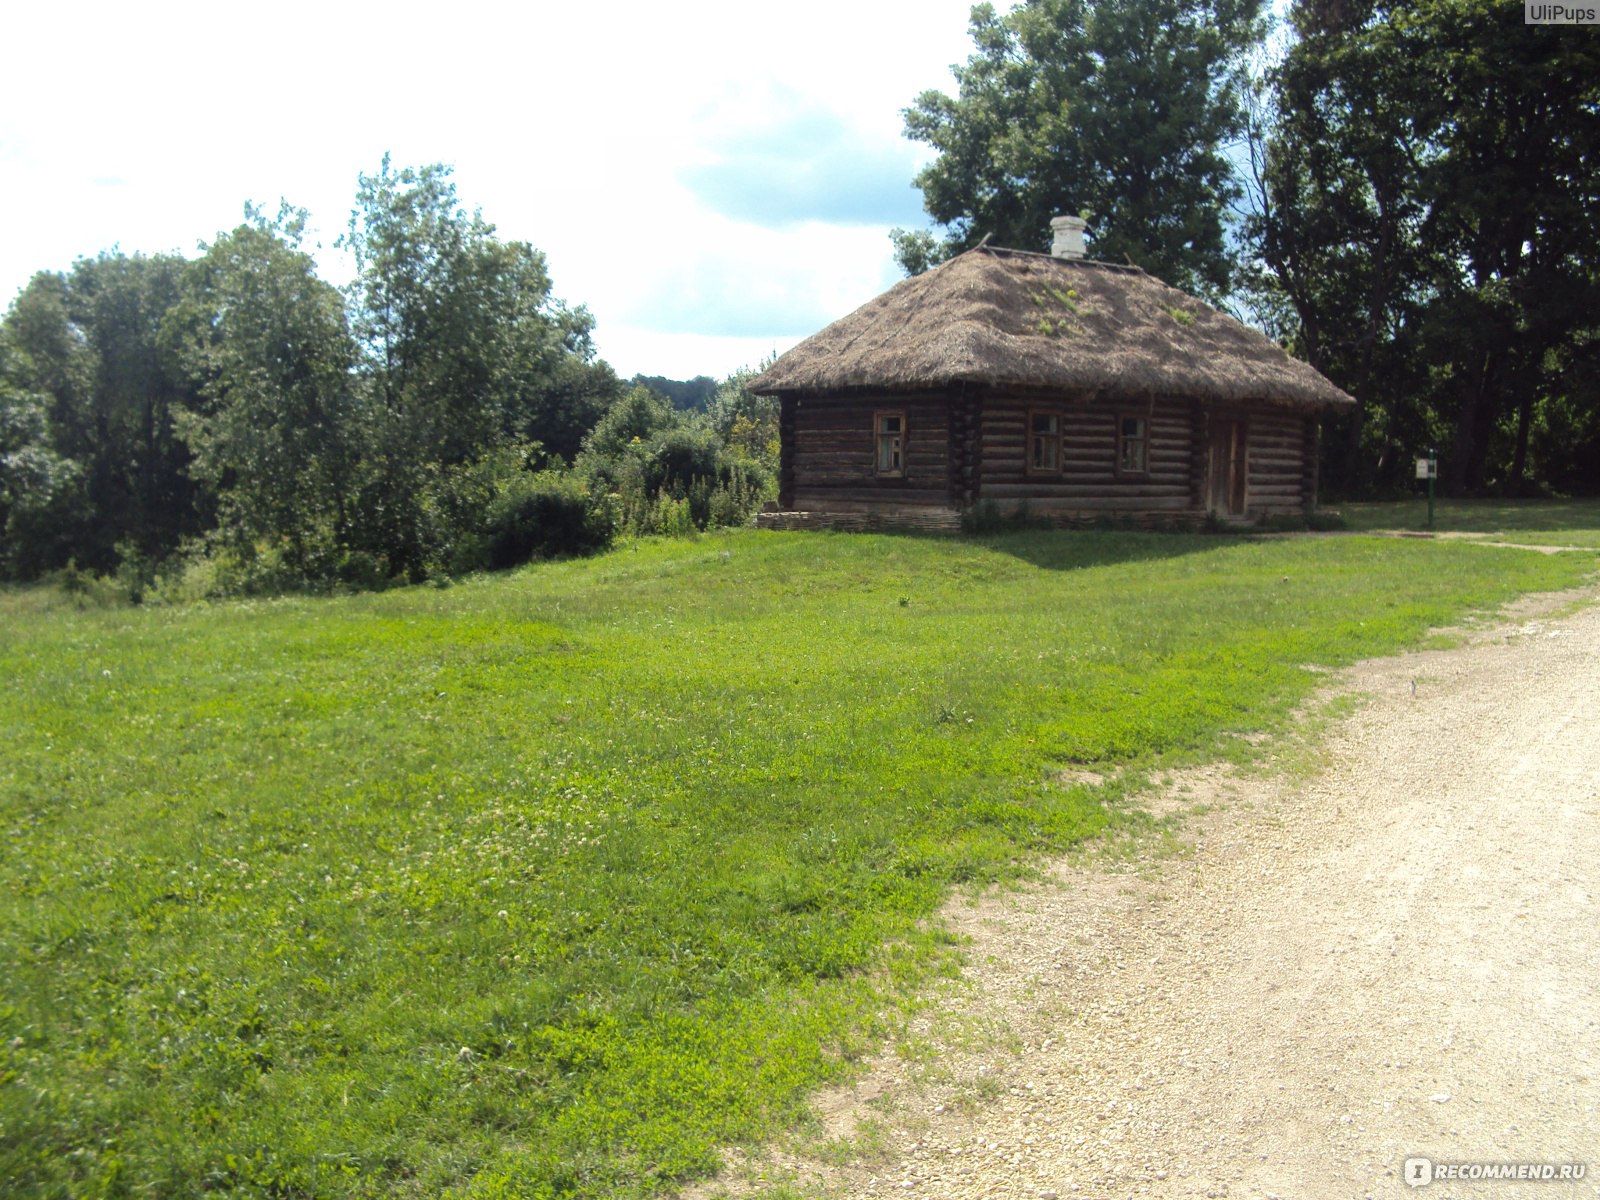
point(1120, 108)
point(1430, 213)
point(277, 434)
point(88, 342)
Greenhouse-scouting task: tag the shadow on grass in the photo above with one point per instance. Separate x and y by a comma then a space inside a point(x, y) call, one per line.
point(1077, 549)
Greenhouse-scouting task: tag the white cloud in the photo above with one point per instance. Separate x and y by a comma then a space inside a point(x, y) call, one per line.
point(800, 161)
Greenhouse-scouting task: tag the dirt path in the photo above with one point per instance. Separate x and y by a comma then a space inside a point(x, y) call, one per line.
point(1397, 957)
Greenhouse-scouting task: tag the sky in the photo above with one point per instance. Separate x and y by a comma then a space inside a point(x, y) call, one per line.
point(714, 181)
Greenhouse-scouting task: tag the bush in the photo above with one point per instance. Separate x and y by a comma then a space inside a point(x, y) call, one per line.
point(674, 518)
point(85, 589)
point(552, 516)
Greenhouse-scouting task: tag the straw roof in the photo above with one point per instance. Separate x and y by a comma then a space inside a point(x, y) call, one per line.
point(1018, 319)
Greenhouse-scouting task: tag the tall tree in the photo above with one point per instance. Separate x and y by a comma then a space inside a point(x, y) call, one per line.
point(276, 435)
point(463, 347)
point(1429, 212)
point(459, 329)
point(89, 341)
point(1341, 218)
point(42, 502)
point(1119, 108)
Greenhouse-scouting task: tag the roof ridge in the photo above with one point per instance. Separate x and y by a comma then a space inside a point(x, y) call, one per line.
point(1008, 252)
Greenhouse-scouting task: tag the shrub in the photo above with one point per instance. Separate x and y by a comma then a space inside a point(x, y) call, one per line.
point(674, 518)
point(551, 516)
point(83, 588)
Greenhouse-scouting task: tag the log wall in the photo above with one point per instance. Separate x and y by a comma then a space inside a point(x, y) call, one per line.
point(962, 446)
point(1277, 463)
point(1089, 482)
point(834, 456)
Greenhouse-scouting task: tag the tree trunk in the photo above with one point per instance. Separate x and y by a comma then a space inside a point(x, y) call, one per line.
point(1470, 447)
point(1519, 462)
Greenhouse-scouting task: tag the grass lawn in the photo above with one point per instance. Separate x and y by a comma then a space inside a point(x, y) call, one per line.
point(549, 884)
point(1532, 522)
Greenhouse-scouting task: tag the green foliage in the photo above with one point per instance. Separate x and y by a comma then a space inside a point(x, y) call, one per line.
point(43, 505)
point(279, 436)
point(463, 341)
point(918, 250)
point(551, 516)
point(674, 473)
point(154, 411)
point(463, 348)
point(1120, 110)
point(1428, 228)
point(636, 417)
point(553, 884)
point(107, 463)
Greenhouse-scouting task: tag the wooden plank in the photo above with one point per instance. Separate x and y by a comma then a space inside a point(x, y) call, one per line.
point(814, 495)
point(1100, 505)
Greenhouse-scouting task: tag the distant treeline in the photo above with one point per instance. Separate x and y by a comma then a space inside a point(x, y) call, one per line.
point(233, 423)
point(690, 395)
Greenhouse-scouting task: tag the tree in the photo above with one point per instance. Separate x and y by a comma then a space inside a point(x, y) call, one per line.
point(1428, 211)
point(42, 504)
point(277, 434)
point(747, 423)
point(459, 329)
point(633, 418)
point(462, 347)
point(1340, 221)
point(1118, 108)
point(692, 395)
point(88, 342)
point(664, 466)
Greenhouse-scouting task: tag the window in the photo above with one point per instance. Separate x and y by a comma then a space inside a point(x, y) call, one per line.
point(891, 433)
point(1133, 446)
point(1044, 443)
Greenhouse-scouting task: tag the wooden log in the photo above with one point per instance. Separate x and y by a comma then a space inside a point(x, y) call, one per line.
point(1120, 495)
point(1312, 452)
point(815, 496)
point(1101, 505)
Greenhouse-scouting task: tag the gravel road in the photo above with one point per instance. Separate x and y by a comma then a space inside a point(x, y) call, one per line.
point(1394, 956)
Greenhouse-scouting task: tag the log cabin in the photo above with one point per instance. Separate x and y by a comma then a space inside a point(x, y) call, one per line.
point(1084, 391)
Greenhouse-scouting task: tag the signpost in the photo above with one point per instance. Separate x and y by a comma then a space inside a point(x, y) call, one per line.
point(1428, 468)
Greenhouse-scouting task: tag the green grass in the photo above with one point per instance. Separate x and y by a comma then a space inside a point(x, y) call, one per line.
point(1531, 522)
point(549, 884)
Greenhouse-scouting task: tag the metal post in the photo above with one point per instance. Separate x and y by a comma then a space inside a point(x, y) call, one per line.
point(1433, 469)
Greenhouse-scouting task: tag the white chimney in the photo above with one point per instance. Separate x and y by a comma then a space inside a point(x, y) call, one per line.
point(1069, 236)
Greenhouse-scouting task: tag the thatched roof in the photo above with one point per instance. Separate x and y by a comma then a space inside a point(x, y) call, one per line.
point(1013, 318)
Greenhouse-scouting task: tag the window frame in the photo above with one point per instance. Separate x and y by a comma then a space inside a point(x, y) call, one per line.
point(878, 435)
point(1056, 439)
point(1142, 438)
